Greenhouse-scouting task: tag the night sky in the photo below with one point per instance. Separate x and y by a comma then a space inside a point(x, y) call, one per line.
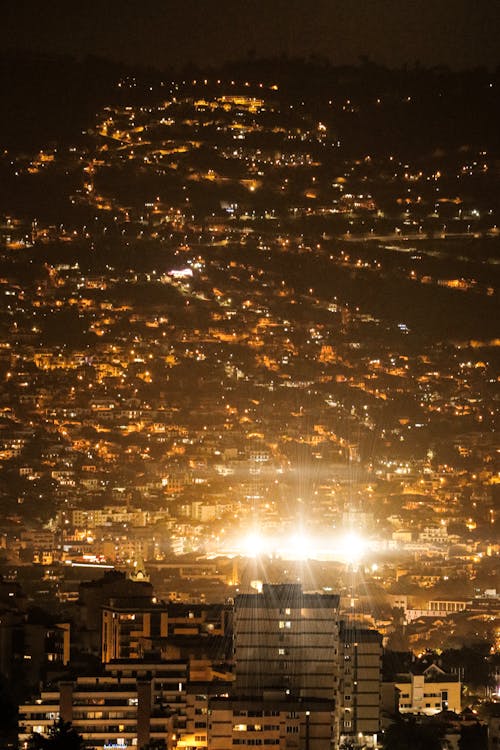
point(161, 33)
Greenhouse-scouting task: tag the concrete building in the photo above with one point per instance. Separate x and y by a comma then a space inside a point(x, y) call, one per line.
point(127, 705)
point(125, 624)
point(131, 625)
point(448, 606)
point(275, 719)
point(114, 585)
point(36, 650)
point(286, 639)
point(359, 694)
point(427, 693)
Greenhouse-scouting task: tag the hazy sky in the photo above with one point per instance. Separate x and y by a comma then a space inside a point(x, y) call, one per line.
point(458, 33)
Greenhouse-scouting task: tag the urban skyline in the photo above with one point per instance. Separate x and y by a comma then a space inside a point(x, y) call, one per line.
point(248, 404)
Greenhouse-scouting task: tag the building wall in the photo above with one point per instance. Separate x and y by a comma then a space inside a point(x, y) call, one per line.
point(123, 627)
point(284, 638)
point(428, 697)
point(270, 722)
point(359, 698)
point(121, 707)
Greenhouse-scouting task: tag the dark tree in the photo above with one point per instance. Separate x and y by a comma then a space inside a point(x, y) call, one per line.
point(61, 736)
point(474, 662)
point(8, 714)
point(348, 744)
point(474, 737)
point(155, 745)
point(407, 734)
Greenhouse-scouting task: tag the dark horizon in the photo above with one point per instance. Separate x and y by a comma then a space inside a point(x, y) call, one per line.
point(246, 62)
point(454, 33)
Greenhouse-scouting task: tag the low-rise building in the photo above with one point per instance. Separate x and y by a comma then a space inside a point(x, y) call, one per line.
point(428, 693)
point(273, 720)
point(129, 704)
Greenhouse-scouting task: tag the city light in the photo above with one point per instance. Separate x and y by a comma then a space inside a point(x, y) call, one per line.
point(352, 547)
point(348, 548)
point(248, 396)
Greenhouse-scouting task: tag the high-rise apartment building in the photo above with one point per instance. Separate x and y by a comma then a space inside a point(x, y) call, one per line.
point(286, 639)
point(359, 694)
point(291, 640)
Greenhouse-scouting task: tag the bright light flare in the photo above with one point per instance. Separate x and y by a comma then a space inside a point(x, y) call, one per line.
point(300, 547)
point(253, 545)
point(346, 546)
point(352, 547)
